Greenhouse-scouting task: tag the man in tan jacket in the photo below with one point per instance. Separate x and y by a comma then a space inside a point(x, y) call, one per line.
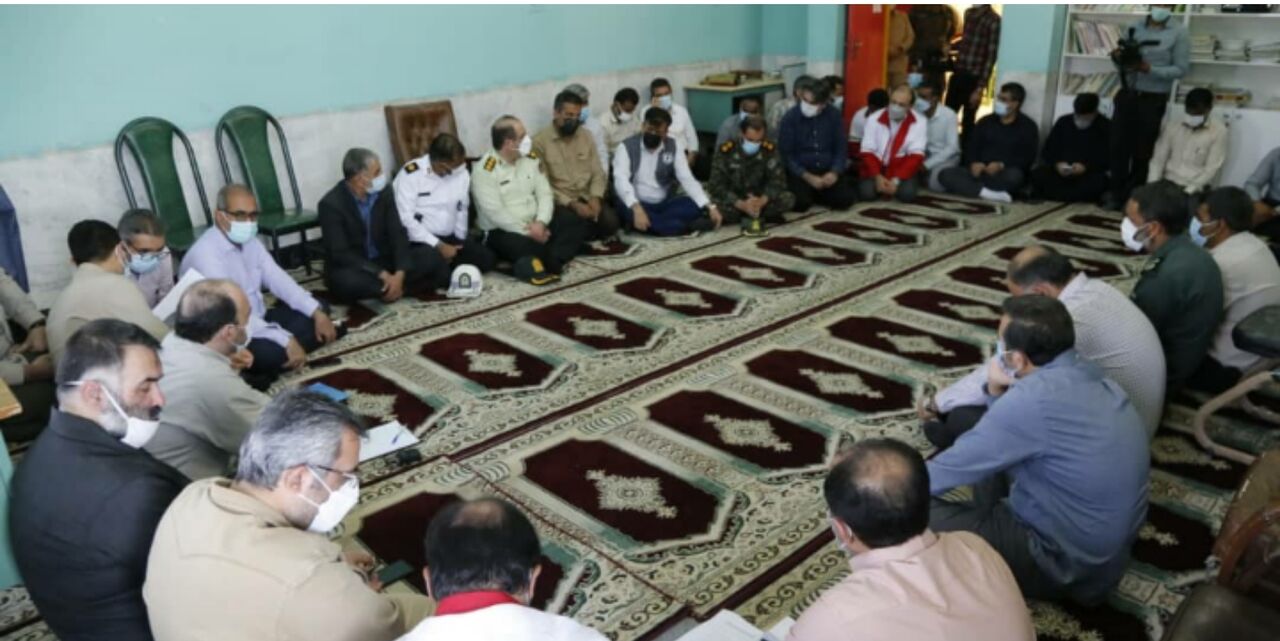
point(248, 558)
point(570, 161)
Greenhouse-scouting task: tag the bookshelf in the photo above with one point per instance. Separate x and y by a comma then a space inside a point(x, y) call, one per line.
point(1085, 65)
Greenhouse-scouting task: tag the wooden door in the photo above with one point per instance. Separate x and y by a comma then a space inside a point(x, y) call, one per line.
point(864, 53)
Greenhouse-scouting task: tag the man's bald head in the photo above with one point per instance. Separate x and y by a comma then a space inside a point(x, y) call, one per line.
point(486, 544)
point(505, 132)
point(210, 311)
point(1039, 269)
point(880, 490)
point(903, 95)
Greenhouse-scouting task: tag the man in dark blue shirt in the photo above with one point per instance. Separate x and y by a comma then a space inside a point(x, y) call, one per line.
point(813, 142)
point(999, 153)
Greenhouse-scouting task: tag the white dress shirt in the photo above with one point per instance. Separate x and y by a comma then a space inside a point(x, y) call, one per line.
point(681, 128)
point(1113, 333)
point(943, 149)
point(1191, 158)
point(645, 188)
point(155, 284)
point(1250, 281)
point(593, 125)
point(432, 207)
point(858, 124)
point(508, 622)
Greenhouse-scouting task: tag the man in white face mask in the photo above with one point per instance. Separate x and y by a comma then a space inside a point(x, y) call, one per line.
point(248, 558)
point(878, 503)
point(85, 501)
point(1192, 148)
point(621, 121)
point(893, 149)
point(210, 408)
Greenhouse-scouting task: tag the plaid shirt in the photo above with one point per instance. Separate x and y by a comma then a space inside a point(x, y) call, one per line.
point(978, 45)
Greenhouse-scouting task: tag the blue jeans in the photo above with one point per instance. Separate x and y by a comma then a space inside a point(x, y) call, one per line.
point(670, 217)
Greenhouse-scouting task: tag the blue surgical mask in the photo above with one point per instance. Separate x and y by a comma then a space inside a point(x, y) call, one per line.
point(143, 263)
point(1198, 235)
point(750, 147)
point(586, 113)
point(379, 184)
point(242, 232)
point(914, 79)
point(1000, 108)
point(742, 115)
point(1160, 14)
point(665, 102)
point(923, 105)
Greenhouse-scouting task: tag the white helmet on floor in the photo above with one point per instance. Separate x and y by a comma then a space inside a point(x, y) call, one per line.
point(466, 282)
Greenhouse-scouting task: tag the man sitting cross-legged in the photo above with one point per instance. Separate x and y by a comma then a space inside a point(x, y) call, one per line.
point(999, 152)
point(647, 169)
point(748, 180)
point(1058, 464)
point(893, 150)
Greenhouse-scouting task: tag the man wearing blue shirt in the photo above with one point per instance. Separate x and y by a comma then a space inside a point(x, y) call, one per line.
point(1067, 446)
point(812, 140)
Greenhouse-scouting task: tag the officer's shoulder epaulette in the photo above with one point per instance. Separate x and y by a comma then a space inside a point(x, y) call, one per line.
point(411, 167)
point(727, 146)
point(491, 163)
point(768, 146)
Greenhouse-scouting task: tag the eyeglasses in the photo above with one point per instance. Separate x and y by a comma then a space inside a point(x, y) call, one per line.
point(242, 216)
point(159, 254)
point(350, 476)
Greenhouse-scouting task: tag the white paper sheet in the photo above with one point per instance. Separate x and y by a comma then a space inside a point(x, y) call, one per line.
point(726, 625)
point(385, 438)
point(168, 306)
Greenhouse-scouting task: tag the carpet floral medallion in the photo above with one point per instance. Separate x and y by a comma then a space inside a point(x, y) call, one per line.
point(665, 414)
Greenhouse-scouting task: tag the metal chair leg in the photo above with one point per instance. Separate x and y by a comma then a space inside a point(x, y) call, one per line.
point(306, 252)
point(1255, 410)
point(1220, 401)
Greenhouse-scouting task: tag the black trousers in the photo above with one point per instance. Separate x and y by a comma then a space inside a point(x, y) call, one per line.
point(568, 233)
point(269, 357)
point(1051, 185)
point(841, 195)
point(605, 226)
point(958, 91)
point(1214, 377)
point(907, 189)
point(37, 398)
point(959, 180)
point(1134, 130)
point(944, 430)
point(427, 270)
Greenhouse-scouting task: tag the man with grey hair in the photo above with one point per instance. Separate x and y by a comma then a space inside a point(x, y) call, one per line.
point(85, 500)
point(148, 261)
point(248, 558)
point(211, 408)
point(296, 325)
point(591, 124)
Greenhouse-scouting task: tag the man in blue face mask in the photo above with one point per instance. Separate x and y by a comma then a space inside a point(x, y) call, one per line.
point(999, 152)
point(748, 179)
point(149, 266)
point(283, 335)
point(731, 128)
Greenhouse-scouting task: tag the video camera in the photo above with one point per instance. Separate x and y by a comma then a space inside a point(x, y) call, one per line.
point(1128, 55)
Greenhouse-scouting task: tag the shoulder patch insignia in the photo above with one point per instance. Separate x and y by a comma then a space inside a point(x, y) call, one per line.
point(727, 146)
point(768, 146)
point(411, 167)
point(490, 163)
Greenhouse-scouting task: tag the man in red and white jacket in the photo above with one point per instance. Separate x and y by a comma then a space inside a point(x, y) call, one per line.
point(893, 147)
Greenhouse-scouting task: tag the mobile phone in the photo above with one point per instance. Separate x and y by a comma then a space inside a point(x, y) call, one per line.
point(396, 571)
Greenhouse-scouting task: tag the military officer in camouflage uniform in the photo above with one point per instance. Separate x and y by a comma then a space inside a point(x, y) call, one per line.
point(748, 179)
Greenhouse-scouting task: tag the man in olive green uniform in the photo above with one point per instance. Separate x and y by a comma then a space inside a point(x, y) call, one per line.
point(516, 209)
point(748, 179)
point(572, 163)
point(1180, 290)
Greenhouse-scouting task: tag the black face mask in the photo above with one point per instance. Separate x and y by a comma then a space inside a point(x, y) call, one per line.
point(568, 127)
point(652, 140)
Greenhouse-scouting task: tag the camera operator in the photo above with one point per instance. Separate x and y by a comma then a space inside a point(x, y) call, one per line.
point(1159, 54)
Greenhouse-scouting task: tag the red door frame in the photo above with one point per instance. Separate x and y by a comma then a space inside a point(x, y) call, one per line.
point(865, 51)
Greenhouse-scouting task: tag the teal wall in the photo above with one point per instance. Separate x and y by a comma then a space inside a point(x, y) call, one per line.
point(826, 25)
point(73, 75)
point(786, 29)
point(1031, 37)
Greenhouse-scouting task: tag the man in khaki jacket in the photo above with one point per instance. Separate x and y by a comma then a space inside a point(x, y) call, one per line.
point(248, 558)
point(571, 162)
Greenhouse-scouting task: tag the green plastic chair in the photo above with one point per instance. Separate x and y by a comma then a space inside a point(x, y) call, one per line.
point(246, 127)
point(150, 141)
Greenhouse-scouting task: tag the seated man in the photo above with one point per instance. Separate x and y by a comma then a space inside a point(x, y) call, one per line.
point(1075, 158)
point(837, 90)
point(98, 288)
point(1250, 281)
point(1263, 186)
point(482, 563)
point(1000, 151)
point(578, 182)
point(681, 126)
point(943, 149)
point(731, 127)
point(622, 121)
point(433, 200)
point(209, 408)
point(877, 99)
point(517, 209)
point(878, 503)
point(149, 264)
point(1190, 150)
point(1180, 289)
point(781, 107)
point(748, 182)
point(812, 141)
point(1111, 332)
point(893, 150)
point(26, 367)
point(247, 558)
point(296, 325)
point(86, 500)
point(1065, 445)
point(366, 249)
point(591, 124)
point(647, 168)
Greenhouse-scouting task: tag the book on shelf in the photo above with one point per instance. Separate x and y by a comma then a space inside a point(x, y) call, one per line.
point(1097, 38)
point(1103, 83)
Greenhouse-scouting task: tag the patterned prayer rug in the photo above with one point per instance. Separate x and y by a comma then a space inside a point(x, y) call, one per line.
point(665, 414)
